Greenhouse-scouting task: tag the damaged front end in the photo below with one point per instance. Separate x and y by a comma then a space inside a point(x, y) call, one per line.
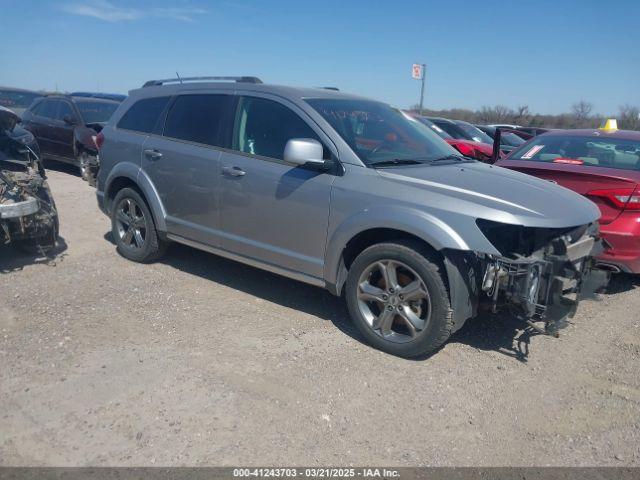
point(542, 273)
point(28, 214)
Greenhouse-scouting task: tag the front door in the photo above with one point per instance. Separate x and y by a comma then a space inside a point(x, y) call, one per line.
point(271, 211)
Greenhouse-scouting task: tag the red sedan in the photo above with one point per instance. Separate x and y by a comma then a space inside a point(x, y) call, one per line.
point(603, 165)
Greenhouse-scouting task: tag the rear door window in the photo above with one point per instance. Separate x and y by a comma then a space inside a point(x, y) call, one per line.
point(65, 110)
point(144, 114)
point(198, 118)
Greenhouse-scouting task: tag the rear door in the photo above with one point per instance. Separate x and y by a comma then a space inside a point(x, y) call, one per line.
point(63, 132)
point(41, 125)
point(184, 164)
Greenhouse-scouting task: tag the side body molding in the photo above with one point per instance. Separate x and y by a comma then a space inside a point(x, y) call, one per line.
point(141, 179)
point(406, 219)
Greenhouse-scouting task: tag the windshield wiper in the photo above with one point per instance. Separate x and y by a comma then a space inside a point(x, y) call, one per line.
point(458, 158)
point(395, 161)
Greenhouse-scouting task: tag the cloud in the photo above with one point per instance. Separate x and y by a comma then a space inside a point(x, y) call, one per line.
point(107, 11)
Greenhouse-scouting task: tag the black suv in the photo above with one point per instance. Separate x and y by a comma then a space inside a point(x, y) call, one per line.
point(66, 127)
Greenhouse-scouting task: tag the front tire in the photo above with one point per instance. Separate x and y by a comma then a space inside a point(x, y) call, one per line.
point(133, 228)
point(398, 299)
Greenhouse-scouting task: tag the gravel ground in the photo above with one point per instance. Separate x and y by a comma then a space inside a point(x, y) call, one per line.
point(197, 360)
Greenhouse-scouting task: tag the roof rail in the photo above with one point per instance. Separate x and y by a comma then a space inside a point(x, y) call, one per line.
point(153, 83)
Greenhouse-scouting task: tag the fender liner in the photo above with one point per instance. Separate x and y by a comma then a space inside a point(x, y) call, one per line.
point(464, 276)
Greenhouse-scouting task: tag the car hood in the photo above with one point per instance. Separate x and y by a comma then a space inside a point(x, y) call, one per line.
point(492, 193)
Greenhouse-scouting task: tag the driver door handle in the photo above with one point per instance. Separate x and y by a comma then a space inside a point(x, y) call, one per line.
point(233, 171)
point(153, 154)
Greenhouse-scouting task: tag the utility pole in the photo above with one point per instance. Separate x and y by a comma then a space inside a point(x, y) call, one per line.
point(424, 66)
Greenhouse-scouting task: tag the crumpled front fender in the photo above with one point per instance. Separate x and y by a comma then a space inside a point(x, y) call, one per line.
point(409, 220)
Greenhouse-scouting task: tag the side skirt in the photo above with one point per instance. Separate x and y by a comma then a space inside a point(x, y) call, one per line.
point(301, 277)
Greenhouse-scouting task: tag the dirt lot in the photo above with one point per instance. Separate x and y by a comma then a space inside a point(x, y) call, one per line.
point(197, 360)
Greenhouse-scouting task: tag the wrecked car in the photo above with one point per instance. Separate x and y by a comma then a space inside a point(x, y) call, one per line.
point(28, 215)
point(348, 194)
point(66, 128)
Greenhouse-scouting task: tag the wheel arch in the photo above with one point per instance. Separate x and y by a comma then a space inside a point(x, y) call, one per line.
point(381, 224)
point(129, 175)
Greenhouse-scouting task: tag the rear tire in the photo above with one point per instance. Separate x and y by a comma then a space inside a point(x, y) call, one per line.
point(397, 297)
point(133, 228)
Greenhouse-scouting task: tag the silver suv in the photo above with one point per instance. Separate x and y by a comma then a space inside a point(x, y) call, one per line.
point(344, 193)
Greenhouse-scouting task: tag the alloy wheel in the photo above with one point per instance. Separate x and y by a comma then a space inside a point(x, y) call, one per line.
point(393, 300)
point(131, 224)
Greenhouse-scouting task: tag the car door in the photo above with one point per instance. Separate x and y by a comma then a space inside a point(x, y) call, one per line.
point(271, 211)
point(183, 164)
point(63, 132)
point(41, 124)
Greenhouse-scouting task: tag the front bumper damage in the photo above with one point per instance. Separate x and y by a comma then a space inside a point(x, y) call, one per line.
point(27, 211)
point(543, 283)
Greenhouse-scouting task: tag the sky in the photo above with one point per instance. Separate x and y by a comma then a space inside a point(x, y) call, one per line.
point(541, 53)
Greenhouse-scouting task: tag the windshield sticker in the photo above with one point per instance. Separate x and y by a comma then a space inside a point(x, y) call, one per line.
point(533, 151)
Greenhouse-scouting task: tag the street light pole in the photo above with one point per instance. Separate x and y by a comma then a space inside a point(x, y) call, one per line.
point(424, 67)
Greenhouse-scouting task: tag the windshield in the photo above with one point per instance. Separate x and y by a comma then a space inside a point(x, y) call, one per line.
point(96, 112)
point(588, 151)
point(377, 132)
point(441, 133)
point(13, 99)
point(474, 133)
point(508, 138)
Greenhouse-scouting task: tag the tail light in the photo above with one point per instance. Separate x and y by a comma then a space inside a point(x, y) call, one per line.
point(622, 198)
point(99, 140)
point(466, 150)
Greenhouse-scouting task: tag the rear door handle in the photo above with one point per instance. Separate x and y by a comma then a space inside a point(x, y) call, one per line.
point(233, 171)
point(153, 154)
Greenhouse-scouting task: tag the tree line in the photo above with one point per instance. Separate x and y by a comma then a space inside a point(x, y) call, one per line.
point(580, 116)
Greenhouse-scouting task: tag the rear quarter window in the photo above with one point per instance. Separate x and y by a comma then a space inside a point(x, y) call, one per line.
point(143, 115)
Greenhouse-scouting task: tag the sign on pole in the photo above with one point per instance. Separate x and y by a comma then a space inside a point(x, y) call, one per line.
point(416, 71)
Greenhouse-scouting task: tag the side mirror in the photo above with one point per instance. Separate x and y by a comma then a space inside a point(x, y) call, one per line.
point(69, 120)
point(304, 151)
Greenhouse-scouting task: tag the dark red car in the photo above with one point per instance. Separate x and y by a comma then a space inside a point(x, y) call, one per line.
point(604, 166)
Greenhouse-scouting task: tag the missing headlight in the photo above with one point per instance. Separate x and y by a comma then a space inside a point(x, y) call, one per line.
point(516, 241)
